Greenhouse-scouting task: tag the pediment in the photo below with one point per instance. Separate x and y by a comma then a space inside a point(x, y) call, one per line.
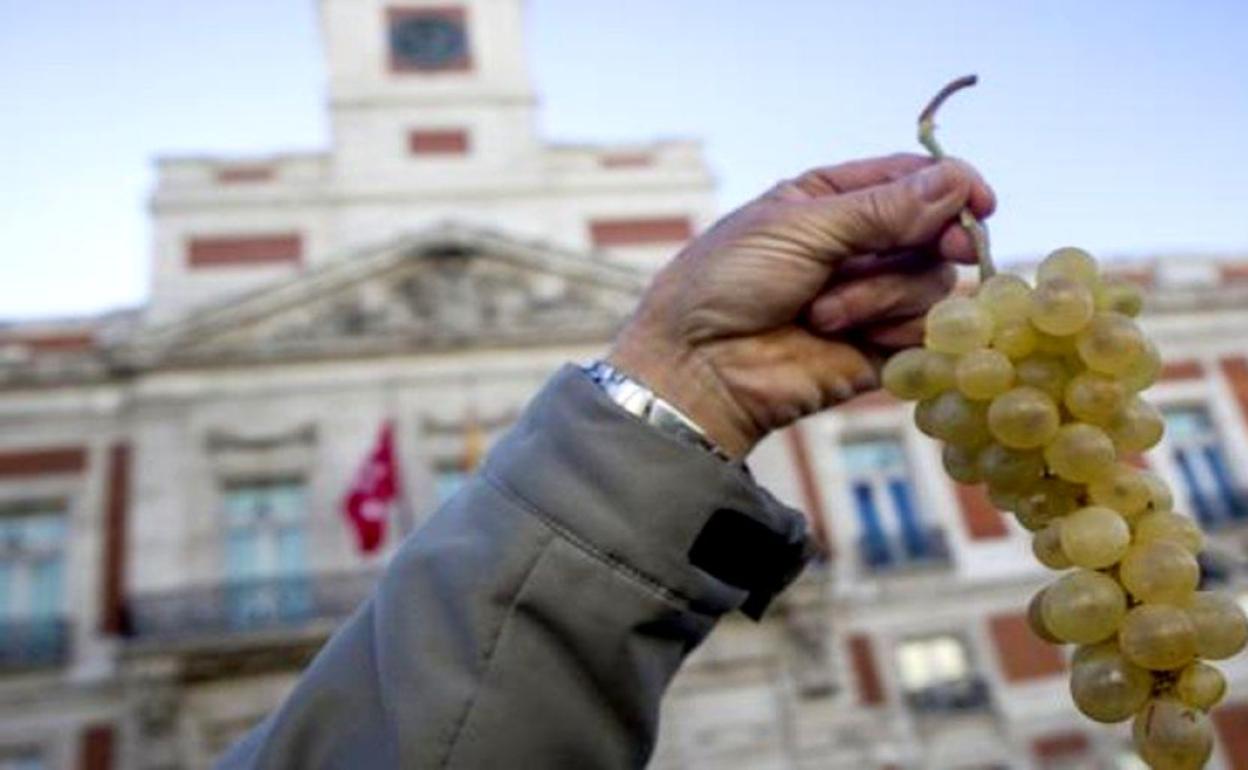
point(450, 287)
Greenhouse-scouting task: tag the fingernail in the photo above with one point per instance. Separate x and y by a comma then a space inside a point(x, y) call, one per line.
point(934, 182)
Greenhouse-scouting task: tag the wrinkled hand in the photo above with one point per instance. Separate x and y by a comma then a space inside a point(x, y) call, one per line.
point(790, 304)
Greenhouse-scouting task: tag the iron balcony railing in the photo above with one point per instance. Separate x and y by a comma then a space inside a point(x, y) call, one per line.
point(286, 603)
point(953, 697)
point(33, 643)
point(924, 546)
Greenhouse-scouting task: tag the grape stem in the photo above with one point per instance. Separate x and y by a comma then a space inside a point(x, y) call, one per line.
point(927, 138)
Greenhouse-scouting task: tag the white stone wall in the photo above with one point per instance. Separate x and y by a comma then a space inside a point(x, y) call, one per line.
point(368, 188)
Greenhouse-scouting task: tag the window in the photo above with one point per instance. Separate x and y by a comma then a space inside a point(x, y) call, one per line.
point(1201, 459)
point(26, 759)
point(265, 551)
point(891, 531)
point(448, 477)
point(33, 632)
point(32, 564)
point(936, 674)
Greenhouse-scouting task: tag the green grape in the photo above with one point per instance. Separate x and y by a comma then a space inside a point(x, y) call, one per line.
point(1221, 627)
point(1116, 295)
point(1144, 369)
point(1093, 397)
point(1159, 496)
point(961, 463)
point(1095, 537)
point(1201, 686)
point(1078, 452)
point(1061, 306)
point(1053, 345)
point(1105, 685)
point(1084, 607)
point(957, 325)
point(1047, 373)
point(1110, 343)
point(954, 419)
point(1030, 518)
point(1049, 499)
point(1035, 619)
point(1072, 263)
point(1159, 572)
point(1023, 418)
point(1010, 470)
point(1158, 637)
point(1171, 736)
point(917, 373)
point(1171, 527)
point(983, 374)
point(1001, 499)
point(1122, 488)
point(1137, 427)
point(1017, 339)
point(1046, 544)
point(1006, 297)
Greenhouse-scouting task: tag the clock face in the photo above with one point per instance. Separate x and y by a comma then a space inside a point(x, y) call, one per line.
point(428, 40)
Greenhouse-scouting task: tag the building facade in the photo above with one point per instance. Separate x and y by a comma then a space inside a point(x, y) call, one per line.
point(172, 546)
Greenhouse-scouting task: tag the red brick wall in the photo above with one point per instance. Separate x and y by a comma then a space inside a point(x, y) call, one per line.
point(113, 563)
point(244, 174)
point(1231, 721)
point(95, 748)
point(1059, 746)
point(1235, 370)
point(626, 160)
point(866, 670)
point(1235, 272)
point(42, 462)
point(439, 142)
point(1023, 655)
point(983, 521)
point(809, 483)
point(634, 232)
point(220, 251)
point(51, 342)
point(1182, 370)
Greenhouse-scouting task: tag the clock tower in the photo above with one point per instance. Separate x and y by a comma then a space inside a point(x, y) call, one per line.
point(429, 93)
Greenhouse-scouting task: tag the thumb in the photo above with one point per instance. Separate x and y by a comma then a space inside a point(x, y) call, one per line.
point(909, 212)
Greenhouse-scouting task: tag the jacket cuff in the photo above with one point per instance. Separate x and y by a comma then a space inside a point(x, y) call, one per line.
point(682, 521)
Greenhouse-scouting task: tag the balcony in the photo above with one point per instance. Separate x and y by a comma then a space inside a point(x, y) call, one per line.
point(33, 644)
point(254, 611)
point(921, 548)
point(959, 696)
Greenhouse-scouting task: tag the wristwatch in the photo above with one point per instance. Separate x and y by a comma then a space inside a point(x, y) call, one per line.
point(642, 402)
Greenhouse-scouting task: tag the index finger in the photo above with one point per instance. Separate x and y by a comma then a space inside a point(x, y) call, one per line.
point(859, 174)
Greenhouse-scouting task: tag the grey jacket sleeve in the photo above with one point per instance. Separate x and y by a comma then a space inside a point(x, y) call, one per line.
point(536, 619)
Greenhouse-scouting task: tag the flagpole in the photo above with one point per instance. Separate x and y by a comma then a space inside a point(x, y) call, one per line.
point(406, 518)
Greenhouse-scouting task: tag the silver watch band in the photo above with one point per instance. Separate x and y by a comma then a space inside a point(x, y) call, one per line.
point(642, 402)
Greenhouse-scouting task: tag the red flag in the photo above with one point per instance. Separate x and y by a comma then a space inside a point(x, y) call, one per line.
point(376, 486)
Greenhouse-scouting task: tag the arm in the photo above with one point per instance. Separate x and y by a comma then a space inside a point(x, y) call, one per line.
point(536, 620)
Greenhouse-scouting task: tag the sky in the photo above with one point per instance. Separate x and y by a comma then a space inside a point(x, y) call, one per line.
point(1120, 127)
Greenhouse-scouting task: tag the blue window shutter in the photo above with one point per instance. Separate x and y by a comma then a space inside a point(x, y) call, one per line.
point(875, 543)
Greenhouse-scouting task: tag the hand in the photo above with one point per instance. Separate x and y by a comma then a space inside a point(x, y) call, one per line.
point(790, 304)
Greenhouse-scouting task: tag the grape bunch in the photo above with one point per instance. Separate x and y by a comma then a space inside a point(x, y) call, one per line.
point(1035, 392)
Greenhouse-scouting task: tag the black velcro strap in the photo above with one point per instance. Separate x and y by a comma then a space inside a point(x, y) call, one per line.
point(746, 554)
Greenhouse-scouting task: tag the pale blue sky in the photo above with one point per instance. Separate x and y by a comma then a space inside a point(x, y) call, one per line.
point(1118, 126)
